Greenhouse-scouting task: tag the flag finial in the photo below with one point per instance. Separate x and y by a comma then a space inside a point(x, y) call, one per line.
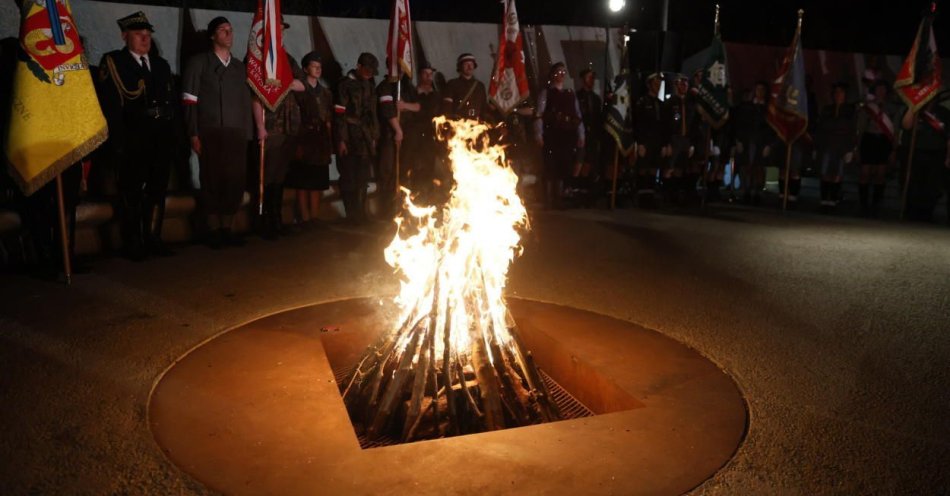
point(933, 7)
point(716, 25)
point(801, 12)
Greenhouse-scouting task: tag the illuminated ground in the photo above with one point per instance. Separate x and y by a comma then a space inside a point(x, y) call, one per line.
point(835, 329)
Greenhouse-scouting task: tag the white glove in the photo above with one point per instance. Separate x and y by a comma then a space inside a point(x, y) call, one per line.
point(715, 152)
point(848, 157)
point(766, 151)
point(692, 149)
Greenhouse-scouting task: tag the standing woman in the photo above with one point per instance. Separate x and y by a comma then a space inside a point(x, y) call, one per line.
point(310, 169)
point(559, 129)
point(877, 140)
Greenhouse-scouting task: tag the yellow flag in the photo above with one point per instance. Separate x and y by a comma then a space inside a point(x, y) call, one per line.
point(55, 119)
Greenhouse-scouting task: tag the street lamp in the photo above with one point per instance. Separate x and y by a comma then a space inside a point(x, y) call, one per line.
point(615, 5)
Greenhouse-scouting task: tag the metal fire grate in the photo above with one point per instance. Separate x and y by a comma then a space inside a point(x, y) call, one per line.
point(570, 407)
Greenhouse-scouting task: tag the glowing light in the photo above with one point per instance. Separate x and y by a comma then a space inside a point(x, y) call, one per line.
point(616, 5)
point(453, 260)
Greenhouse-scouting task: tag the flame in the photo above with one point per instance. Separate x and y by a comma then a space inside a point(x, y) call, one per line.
point(459, 253)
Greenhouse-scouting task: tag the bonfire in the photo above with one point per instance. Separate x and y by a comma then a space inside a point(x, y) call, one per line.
point(453, 362)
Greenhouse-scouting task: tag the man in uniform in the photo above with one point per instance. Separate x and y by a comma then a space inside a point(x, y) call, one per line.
point(395, 98)
point(686, 136)
point(136, 98)
point(277, 131)
point(592, 113)
point(218, 119)
point(356, 130)
point(465, 97)
point(752, 136)
point(419, 131)
point(651, 126)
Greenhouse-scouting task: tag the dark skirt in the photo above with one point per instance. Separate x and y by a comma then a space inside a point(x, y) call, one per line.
point(310, 167)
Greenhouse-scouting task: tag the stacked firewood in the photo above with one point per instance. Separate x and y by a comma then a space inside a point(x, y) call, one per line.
point(402, 389)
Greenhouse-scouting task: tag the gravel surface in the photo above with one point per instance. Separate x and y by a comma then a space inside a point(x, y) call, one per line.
point(837, 330)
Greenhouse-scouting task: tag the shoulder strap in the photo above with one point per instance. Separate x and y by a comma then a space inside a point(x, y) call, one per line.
point(468, 94)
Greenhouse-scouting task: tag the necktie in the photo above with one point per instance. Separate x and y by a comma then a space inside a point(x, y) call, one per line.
point(144, 62)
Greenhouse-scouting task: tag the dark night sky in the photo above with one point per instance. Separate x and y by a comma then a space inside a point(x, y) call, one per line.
point(846, 25)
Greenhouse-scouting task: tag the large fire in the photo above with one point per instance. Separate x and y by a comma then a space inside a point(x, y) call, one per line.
point(453, 361)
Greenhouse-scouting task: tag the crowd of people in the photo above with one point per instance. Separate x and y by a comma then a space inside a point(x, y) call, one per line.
point(558, 137)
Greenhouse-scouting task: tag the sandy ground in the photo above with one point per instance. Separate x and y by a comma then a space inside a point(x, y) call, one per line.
point(837, 330)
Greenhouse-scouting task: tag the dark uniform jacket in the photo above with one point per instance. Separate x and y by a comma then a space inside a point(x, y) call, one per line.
point(314, 103)
point(465, 98)
point(684, 119)
point(651, 123)
point(222, 98)
point(133, 97)
point(751, 125)
point(837, 127)
point(356, 122)
point(388, 93)
point(592, 111)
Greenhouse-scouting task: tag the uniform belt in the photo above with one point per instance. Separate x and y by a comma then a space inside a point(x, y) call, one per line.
point(158, 113)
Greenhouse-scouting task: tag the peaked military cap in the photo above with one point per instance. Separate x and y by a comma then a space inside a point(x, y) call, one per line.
point(135, 21)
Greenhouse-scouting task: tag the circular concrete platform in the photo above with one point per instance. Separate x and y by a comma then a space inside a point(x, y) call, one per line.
point(256, 410)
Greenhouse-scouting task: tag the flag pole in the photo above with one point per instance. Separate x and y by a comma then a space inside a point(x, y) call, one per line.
point(708, 134)
point(910, 163)
point(788, 168)
point(63, 235)
point(260, 186)
point(398, 143)
point(613, 188)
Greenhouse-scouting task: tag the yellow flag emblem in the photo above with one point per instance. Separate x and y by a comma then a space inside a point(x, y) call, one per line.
point(55, 119)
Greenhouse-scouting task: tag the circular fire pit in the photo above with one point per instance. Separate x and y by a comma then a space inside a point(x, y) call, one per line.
point(258, 410)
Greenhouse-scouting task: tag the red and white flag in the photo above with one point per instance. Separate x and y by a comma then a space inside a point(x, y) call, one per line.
point(268, 70)
point(919, 78)
point(399, 41)
point(509, 81)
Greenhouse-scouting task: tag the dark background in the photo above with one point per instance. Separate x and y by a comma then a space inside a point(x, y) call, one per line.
point(888, 27)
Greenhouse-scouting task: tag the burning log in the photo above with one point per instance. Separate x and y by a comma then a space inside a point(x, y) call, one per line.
point(456, 349)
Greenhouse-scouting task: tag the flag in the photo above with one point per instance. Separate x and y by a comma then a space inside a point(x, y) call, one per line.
point(711, 94)
point(919, 78)
point(788, 106)
point(399, 41)
point(268, 70)
point(55, 118)
point(618, 121)
point(509, 80)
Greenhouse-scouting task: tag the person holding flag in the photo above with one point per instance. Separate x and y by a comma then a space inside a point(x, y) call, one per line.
point(272, 74)
point(396, 95)
point(918, 83)
point(712, 95)
point(219, 124)
point(55, 119)
point(787, 111)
